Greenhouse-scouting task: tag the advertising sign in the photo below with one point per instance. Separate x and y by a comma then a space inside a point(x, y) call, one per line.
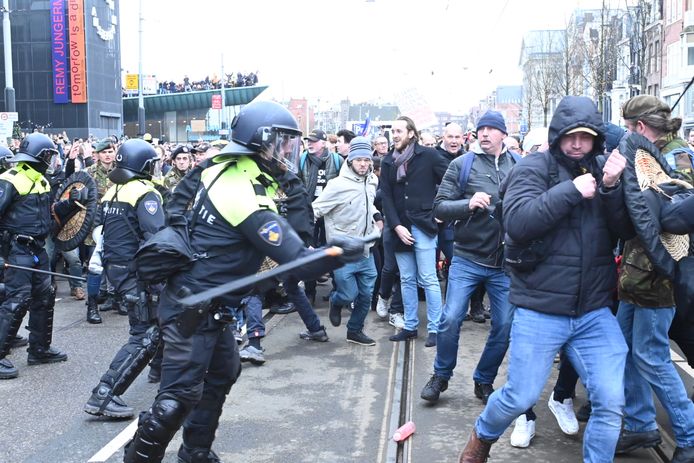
point(216, 101)
point(59, 49)
point(78, 55)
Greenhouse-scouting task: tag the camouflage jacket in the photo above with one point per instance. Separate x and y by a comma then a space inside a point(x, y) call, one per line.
point(172, 178)
point(103, 183)
point(639, 282)
point(100, 176)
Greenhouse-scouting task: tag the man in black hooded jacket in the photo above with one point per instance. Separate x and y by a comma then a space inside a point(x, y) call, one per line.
point(564, 204)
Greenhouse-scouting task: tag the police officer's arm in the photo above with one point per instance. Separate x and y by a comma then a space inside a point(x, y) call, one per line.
point(449, 203)
point(272, 236)
point(8, 194)
point(150, 214)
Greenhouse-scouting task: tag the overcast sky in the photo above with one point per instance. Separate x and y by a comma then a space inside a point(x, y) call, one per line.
point(454, 51)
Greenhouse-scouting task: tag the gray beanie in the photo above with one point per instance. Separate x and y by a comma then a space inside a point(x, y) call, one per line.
point(359, 147)
point(492, 119)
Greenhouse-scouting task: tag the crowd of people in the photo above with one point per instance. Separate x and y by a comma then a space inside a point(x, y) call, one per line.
point(214, 82)
point(573, 234)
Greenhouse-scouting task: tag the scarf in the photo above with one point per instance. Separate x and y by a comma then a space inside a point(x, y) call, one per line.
point(400, 161)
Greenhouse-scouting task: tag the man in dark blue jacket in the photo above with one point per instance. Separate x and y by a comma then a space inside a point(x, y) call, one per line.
point(561, 214)
point(409, 177)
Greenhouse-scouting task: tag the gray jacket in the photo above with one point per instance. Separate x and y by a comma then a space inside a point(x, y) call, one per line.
point(347, 205)
point(479, 235)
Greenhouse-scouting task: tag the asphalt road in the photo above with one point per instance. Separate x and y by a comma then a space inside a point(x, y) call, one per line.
point(310, 402)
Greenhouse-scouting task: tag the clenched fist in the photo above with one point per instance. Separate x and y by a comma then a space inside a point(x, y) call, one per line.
point(586, 185)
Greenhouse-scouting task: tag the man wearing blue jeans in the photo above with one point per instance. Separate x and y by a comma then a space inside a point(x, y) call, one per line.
point(410, 174)
point(477, 256)
point(562, 212)
point(347, 206)
point(647, 301)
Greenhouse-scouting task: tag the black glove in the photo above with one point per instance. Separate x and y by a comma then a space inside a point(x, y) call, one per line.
point(352, 248)
point(78, 196)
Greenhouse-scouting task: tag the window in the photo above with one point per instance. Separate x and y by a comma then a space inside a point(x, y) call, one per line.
point(649, 59)
point(656, 59)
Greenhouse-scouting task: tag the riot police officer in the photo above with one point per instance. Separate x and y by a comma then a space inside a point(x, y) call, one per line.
point(233, 211)
point(26, 218)
point(131, 213)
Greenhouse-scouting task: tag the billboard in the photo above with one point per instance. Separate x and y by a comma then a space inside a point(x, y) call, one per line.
point(59, 51)
point(78, 55)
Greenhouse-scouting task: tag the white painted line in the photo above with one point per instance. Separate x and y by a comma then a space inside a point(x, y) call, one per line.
point(58, 299)
point(682, 363)
point(113, 446)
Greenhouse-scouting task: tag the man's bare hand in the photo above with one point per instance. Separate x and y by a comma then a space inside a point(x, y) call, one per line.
point(479, 200)
point(586, 185)
point(613, 169)
point(404, 235)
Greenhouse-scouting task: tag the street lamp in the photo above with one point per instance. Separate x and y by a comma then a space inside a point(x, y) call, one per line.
point(10, 105)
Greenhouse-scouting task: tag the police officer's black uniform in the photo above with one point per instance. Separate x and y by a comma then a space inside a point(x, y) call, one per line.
point(131, 213)
point(26, 218)
point(237, 214)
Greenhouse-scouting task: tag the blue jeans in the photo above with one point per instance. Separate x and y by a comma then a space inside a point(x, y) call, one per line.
point(255, 327)
point(355, 282)
point(464, 276)
point(595, 346)
point(649, 367)
point(419, 267)
point(297, 296)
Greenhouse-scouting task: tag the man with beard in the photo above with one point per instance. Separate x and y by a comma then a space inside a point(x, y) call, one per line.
point(409, 178)
point(562, 215)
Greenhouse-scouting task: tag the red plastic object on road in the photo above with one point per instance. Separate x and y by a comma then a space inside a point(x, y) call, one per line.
point(404, 431)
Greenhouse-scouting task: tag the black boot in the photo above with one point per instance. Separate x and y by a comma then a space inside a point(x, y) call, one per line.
point(7, 369)
point(335, 314)
point(120, 306)
point(39, 355)
point(93, 316)
point(188, 455)
point(18, 341)
point(102, 403)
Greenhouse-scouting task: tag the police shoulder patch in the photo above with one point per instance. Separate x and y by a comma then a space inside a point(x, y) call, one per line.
point(151, 206)
point(271, 233)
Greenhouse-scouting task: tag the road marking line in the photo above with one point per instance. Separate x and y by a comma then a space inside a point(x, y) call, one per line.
point(113, 446)
point(682, 363)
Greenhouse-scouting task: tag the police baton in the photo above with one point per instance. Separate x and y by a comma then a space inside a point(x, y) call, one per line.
point(251, 280)
point(45, 272)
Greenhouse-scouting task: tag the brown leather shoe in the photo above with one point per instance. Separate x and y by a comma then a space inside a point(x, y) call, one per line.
point(476, 450)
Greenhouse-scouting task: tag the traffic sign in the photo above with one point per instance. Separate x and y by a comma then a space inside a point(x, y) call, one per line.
point(132, 82)
point(216, 101)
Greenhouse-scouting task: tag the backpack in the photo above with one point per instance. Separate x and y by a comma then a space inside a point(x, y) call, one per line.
point(169, 251)
point(468, 159)
point(671, 158)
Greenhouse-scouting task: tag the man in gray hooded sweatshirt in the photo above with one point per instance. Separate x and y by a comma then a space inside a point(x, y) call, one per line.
point(347, 205)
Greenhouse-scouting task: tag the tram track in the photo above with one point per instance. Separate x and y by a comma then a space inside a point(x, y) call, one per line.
point(401, 404)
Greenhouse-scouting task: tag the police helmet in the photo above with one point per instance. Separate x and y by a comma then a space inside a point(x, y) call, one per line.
point(5, 154)
point(36, 148)
point(257, 124)
point(134, 159)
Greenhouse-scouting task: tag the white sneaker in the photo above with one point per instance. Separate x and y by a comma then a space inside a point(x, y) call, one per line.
point(397, 320)
point(565, 415)
point(523, 432)
point(382, 307)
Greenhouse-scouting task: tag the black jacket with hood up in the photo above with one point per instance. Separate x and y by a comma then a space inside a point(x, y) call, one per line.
point(578, 273)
